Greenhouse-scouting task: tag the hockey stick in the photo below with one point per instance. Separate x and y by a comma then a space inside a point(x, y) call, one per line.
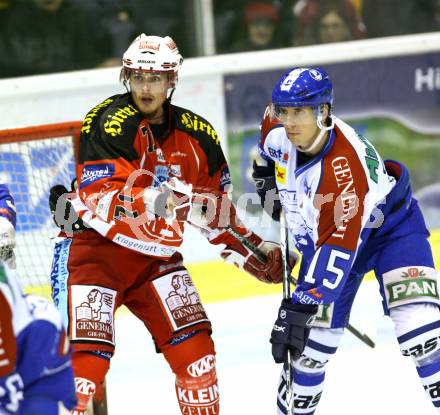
point(284, 243)
point(261, 256)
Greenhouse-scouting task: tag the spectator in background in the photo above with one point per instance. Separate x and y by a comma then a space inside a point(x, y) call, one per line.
point(425, 16)
point(42, 36)
point(260, 28)
point(387, 18)
point(123, 20)
point(326, 21)
point(117, 22)
point(397, 17)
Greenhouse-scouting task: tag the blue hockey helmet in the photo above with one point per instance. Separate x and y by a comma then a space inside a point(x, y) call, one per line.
point(303, 87)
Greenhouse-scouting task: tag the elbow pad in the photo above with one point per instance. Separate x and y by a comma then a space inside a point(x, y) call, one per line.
point(264, 178)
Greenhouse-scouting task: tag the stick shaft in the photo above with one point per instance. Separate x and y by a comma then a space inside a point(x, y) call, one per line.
point(284, 243)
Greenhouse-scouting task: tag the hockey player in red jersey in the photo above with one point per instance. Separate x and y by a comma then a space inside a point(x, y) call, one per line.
point(348, 212)
point(142, 163)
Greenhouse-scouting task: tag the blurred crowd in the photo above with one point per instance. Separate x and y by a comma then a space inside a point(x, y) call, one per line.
point(42, 36)
point(255, 25)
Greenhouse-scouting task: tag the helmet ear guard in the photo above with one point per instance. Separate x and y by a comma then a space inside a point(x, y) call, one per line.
point(324, 122)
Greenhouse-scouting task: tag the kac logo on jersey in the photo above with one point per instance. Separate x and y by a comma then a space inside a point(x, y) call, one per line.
point(161, 175)
point(202, 366)
point(93, 172)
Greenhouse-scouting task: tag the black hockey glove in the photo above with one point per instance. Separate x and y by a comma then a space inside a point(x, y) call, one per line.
point(291, 330)
point(264, 178)
point(62, 211)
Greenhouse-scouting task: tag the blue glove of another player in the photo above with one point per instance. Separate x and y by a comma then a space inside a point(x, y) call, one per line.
point(291, 330)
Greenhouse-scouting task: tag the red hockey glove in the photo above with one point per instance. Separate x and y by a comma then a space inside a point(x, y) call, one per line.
point(270, 271)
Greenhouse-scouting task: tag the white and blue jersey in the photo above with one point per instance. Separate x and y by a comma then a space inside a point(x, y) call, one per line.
point(344, 207)
point(7, 206)
point(35, 366)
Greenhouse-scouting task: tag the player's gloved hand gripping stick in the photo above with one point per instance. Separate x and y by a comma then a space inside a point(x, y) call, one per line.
point(211, 210)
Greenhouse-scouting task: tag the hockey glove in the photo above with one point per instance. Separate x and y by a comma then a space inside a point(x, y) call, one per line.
point(242, 257)
point(205, 208)
point(291, 330)
point(62, 211)
point(7, 242)
point(265, 185)
point(172, 200)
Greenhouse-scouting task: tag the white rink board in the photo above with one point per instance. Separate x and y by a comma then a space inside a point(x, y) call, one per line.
point(359, 380)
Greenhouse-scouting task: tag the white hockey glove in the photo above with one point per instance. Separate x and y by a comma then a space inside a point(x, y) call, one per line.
point(7, 242)
point(172, 200)
point(204, 208)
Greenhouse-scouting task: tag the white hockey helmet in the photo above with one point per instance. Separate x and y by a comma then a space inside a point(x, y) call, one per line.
point(152, 54)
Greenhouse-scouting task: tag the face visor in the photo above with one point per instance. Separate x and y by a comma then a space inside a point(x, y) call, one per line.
point(289, 115)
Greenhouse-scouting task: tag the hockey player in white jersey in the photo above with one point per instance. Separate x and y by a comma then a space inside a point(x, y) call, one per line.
point(35, 366)
point(36, 376)
point(348, 212)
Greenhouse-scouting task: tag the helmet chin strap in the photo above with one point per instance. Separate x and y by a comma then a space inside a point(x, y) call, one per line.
point(171, 94)
point(125, 83)
point(322, 133)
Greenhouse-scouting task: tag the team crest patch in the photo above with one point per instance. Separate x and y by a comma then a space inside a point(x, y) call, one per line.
point(180, 300)
point(161, 175)
point(92, 313)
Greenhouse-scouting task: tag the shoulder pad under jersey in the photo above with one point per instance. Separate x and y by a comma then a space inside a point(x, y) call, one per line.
point(110, 126)
point(199, 128)
point(92, 117)
point(120, 118)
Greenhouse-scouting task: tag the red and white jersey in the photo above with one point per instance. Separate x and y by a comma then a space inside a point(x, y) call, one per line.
point(328, 201)
point(119, 157)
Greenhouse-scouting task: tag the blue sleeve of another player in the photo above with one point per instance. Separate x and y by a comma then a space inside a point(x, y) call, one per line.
point(44, 363)
point(7, 206)
point(325, 276)
point(11, 394)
